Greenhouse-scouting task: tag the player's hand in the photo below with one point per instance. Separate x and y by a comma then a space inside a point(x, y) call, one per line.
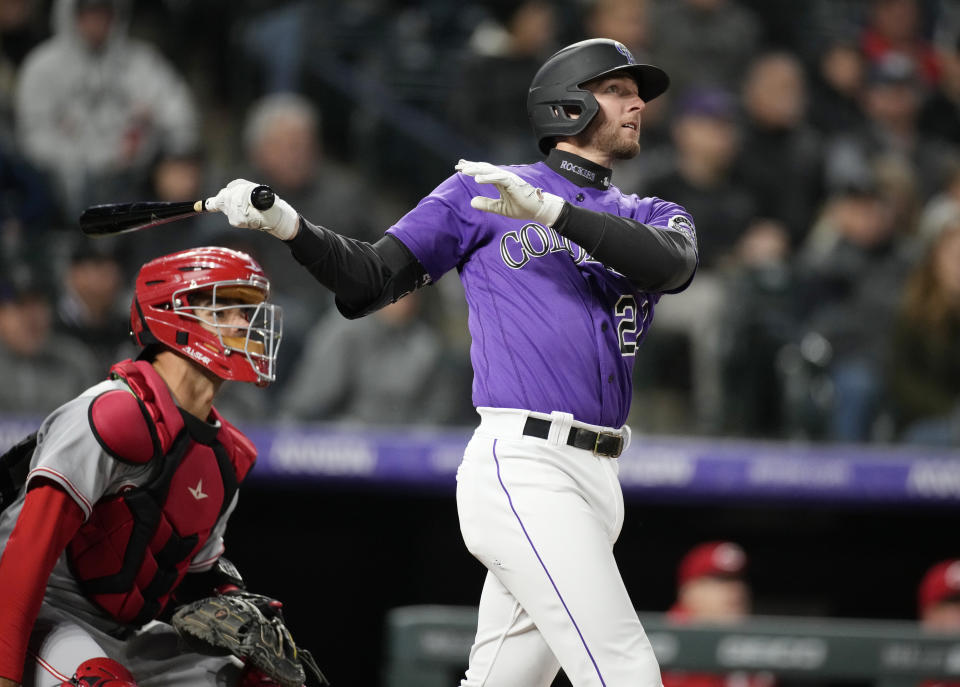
point(518, 199)
point(280, 220)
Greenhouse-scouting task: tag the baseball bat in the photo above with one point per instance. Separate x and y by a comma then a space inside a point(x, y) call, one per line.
point(120, 218)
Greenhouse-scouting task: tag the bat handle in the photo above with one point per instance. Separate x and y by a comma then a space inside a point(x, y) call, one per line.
point(262, 197)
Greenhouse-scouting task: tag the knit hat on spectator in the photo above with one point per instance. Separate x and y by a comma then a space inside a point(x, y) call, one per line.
point(20, 282)
point(712, 559)
point(940, 583)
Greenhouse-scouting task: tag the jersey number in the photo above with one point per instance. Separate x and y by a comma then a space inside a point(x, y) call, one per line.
point(630, 326)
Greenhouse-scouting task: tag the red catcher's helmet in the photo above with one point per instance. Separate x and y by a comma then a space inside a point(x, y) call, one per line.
point(188, 302)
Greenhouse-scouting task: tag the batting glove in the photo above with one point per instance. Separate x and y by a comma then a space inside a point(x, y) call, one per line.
point(280, 220)
point(518, 199)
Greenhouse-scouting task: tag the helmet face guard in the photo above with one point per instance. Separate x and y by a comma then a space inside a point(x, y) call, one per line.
point(557, 86)
point(257, 340)
point(210, 305)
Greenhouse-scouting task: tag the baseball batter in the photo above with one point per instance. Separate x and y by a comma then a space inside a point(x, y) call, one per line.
point(128, 489)
point(562, 273)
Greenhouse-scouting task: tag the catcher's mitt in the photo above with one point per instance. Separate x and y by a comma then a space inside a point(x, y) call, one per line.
point(249, 626)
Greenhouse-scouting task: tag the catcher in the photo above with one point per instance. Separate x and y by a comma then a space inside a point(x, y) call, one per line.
point(112, 515)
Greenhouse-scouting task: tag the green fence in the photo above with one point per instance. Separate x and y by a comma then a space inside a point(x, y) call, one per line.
point(428, 647)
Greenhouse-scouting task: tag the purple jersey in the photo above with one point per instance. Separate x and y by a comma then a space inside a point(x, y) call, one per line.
point(552, 328)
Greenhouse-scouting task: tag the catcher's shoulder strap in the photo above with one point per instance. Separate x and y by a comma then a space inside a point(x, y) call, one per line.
point(242, 451)
point(14, 465)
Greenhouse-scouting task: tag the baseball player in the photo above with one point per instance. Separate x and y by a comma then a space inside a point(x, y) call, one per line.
point(712, 587)
point(938, 597)
point(128, 488)
point(562, 272)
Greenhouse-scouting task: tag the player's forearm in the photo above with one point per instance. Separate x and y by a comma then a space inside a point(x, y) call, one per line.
point(48, 520)
point(363, 276)
point(652, 258)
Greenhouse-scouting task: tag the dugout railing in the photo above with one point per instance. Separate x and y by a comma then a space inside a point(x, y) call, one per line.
point(427, 646)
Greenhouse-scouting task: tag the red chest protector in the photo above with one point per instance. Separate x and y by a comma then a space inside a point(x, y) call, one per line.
point(135, 548)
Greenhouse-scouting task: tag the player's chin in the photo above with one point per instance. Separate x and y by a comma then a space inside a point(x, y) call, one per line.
point(626, 144)
point(627, 150)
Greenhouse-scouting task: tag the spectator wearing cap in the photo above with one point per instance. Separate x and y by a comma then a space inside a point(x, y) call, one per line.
point(712, 585)
point(90, 306)
point(712, 588)
point(39, 370)
point(895, 27)
point(892, 99)
point(702, 178)
point(938, 597)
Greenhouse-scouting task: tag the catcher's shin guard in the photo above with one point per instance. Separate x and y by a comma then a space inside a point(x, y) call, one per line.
point(101, 672)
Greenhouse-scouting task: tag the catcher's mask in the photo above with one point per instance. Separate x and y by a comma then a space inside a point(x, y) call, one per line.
point(556, 90)
point(210, 305)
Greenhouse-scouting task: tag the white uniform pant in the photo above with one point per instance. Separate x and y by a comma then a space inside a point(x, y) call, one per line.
point(543, 517)
point(59, 643)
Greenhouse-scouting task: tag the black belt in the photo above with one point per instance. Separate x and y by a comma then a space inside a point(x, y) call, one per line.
point(606, 444)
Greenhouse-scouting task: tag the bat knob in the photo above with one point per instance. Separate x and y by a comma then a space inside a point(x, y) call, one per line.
point(262, 197)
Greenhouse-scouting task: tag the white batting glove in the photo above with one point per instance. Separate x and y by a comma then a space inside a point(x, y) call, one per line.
point(281, 220)
point(518, 199)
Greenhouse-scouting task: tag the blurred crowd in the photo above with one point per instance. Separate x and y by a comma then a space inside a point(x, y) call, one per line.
point(815, 143)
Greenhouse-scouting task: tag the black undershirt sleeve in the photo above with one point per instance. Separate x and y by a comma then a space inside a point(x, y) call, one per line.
point(654, 259)
point(363, 276)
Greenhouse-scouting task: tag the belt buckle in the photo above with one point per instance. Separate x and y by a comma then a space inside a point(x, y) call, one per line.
point(608, 454)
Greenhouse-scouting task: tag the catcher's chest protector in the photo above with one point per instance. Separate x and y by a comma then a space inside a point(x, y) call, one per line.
point(136, 546)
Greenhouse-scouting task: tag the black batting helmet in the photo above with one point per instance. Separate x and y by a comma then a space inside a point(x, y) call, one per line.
point(557, 85)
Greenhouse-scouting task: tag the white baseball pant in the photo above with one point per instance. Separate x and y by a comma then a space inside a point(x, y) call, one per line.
point(543, 516)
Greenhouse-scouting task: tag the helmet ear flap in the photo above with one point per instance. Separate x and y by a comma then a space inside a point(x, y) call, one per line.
point(139, 331)
point(567, 116)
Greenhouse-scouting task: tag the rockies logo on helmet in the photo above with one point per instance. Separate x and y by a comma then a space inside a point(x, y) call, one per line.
point(556, 90)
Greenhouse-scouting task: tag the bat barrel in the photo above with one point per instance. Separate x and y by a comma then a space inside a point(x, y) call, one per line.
point(116, 218)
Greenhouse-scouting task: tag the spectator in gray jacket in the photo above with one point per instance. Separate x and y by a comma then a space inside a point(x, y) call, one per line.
point(96, 108)
point(391, 368)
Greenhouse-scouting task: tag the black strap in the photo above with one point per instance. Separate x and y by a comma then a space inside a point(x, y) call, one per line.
point(605, 444)
point(13, 469)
